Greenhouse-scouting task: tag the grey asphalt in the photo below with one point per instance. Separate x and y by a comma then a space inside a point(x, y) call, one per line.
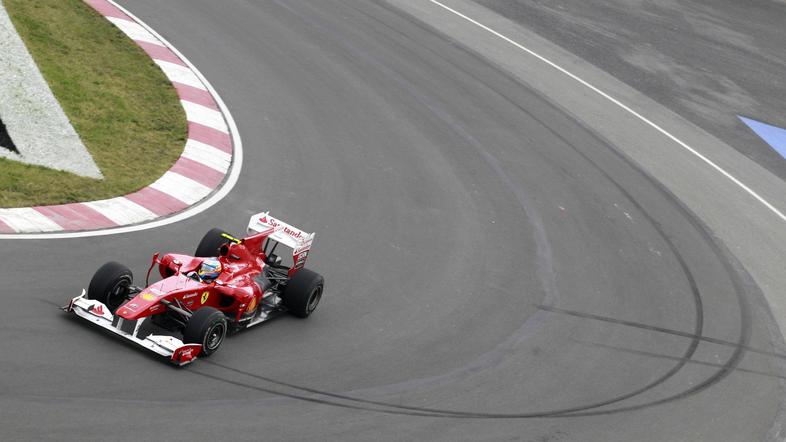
point(709, 60)
point(496, 270)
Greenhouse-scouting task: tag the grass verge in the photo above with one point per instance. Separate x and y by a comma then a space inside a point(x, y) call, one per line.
point(124, 109)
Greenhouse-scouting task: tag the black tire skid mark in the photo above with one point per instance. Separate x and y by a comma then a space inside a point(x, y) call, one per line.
point(658, 329)
point(697, 362)
point(444, 116)
point(739, 351)
point(721, 253)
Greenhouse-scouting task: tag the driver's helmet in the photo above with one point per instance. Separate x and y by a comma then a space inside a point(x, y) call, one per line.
point(210, 269)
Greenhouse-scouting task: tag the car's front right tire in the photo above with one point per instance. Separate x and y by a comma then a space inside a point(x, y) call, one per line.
point(211, 242)
point(110, 285)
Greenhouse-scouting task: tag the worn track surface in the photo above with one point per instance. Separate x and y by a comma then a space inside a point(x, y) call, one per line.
point(495, 270)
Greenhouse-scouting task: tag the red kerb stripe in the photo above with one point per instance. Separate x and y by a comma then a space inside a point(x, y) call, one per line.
point(210, 136)
point(107, 9)
point(197, 172)
point(157, 52)
point(5, 228)
point(75, 216)
point(194, 95)
point(156, 201)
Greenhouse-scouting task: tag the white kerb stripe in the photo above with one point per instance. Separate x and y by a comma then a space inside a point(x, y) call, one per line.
point(182, 188)
point(134, 31)
point(121, 210)
point(207, 155)
point(205, 116)
point(180, 74)
point(27, 219)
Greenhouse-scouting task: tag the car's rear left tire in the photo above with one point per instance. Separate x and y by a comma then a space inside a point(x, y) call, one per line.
point(208, 327)
point(211, 242)
point(110, 285)
point(303, 292)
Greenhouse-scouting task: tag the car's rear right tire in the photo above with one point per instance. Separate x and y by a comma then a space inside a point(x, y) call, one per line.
point(110, 285)
point(303, 292)
point(208, 327)
point(211, 242)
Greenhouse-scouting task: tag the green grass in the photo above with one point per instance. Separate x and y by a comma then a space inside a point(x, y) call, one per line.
point(122, 106)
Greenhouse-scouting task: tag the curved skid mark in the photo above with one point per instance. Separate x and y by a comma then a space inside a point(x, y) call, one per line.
point(389, 408)
point(545, 270)
point(573, 411)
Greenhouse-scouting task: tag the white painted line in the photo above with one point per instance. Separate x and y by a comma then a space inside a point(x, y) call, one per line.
point(180, 74)
point(621, 105)
point(180, 187)
point(221, 193)
point(205, 116)
point(27, 219)
point(134, 30)
point(121, 211)
point(207, 155)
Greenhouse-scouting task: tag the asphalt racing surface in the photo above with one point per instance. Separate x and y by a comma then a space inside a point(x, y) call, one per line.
point(495, 270)
point(709, 60)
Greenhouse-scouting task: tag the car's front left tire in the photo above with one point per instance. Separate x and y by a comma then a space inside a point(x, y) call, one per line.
point(208, 327)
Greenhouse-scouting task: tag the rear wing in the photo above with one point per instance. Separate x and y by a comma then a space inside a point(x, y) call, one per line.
point(292, 237)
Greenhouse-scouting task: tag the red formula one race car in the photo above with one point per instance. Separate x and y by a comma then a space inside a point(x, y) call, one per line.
point(229, 285)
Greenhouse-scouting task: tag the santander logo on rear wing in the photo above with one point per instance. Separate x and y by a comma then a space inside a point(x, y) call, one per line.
point(284, 233)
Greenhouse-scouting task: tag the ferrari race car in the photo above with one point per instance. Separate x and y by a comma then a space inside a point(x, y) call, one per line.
point(230, 284)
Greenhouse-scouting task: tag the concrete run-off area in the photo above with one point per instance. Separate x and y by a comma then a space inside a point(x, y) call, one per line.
point(34, 120)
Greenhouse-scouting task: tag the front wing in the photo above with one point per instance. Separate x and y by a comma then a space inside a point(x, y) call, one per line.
point(97, 313)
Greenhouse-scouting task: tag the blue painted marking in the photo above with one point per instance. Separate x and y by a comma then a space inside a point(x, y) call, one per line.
point(774, 136)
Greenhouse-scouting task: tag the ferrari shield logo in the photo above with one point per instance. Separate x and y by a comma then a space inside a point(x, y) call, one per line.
point(204, 297)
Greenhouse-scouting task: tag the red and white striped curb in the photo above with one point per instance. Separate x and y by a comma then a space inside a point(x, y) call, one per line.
point(201, 168)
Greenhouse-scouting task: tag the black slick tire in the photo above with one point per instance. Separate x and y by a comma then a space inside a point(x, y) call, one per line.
point(208, 327)
point(303, 293)
point(211, 242)
point(110, 284)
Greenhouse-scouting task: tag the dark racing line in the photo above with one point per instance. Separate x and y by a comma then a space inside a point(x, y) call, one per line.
point(696, 338)
point(448, 413)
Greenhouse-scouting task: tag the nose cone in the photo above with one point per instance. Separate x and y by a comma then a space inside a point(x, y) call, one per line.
point(143, 304)
point(148, 301)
